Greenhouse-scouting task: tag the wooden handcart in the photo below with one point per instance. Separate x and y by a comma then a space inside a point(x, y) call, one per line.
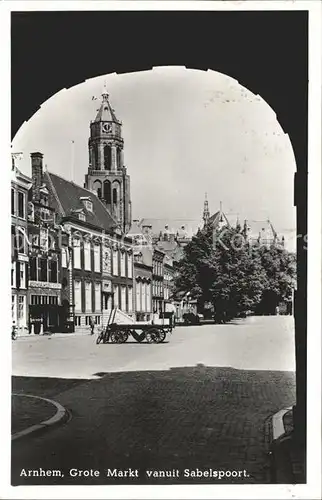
point(119, 333)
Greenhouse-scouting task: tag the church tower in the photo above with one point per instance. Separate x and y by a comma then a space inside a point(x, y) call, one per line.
point(107, 175)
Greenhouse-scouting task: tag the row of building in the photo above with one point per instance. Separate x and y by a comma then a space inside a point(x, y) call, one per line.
point(76, 252)
point(71, 261)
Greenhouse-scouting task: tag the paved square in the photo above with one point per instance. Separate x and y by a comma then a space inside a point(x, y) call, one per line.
point(202, 400)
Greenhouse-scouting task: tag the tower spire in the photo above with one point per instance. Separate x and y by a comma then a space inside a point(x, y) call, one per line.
point(206, 213)
point(105, 94)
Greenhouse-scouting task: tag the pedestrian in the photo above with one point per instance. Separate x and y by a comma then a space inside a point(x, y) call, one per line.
point(92, 325)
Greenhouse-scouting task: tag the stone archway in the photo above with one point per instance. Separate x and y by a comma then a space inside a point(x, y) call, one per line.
point(275, 76)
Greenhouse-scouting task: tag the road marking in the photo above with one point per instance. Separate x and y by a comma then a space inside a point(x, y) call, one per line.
point(60, 414)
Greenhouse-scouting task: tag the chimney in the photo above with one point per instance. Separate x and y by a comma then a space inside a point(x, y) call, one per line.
point(37, 174)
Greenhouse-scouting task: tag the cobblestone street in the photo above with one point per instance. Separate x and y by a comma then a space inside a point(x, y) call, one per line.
point(203, 400)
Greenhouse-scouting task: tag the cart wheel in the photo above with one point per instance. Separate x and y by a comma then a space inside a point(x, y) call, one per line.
point(100, 337)
point(125, 336)
point(162, 336)
point(152, 336)
point(117, 337)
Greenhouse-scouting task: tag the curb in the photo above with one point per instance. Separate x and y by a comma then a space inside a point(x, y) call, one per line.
point(278, 424)
point(60, 416)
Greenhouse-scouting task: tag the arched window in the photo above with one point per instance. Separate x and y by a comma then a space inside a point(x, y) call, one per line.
point(98, 188)
point(107, 157)
point(95, 158)
point(119, 158)
point(107, 192)
point(115, 196)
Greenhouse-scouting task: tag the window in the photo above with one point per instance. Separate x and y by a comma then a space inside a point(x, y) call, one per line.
point(77, 320)
point(13, 307)
point(107, 192)
point(88, 296)
point(143, 297)
point(122, 257)
point(44, 239)
point(13, 202)
point(87, 204)
point(22, 275)
point(44, 214)
point(82, 217)
point(148, 297)
point(43, 269)
point(87, 320)
point(123, 298)
point(97, 258)
point(129, 265)
point(33, 268)
point(138, 296)
point(52, 243)
point(97, 296)
point(52, 268)
point(64, 257)
point(87, 255)
point(115, 196)
point(76, 248)
point(116, 296)
point(97, 186)
point(13, 274)
point(31, 211)
point(35, 240)
point(21, 307)
point(77, 295)
point(21, 205)
point(107, 261)
point(20, 243)
point(107, 157)
point(97, 320)
point(130, 299)
point(115, 263)
point(119, 158)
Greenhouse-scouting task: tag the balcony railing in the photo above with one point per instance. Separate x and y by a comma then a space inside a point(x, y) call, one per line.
point(91, 171)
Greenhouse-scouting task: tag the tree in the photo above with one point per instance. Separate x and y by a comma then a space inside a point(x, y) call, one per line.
point(223, 268)
point(280, 269)
point(239, 277)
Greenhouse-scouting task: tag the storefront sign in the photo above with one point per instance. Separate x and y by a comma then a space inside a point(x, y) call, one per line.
point(44, 284)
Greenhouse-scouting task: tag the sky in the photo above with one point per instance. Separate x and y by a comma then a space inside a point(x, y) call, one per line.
point(186, 132)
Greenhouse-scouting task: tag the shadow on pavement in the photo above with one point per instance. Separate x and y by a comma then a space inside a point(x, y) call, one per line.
point(197, 417)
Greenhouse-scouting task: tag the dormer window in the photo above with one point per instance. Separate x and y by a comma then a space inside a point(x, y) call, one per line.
point(82, 217)
point(88, 204)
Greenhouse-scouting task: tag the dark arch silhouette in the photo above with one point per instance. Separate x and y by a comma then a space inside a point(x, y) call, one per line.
point(267, 52)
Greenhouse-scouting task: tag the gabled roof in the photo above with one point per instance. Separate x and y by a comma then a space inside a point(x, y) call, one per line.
point(17, 175)
point(66, 200)
point(171, 248)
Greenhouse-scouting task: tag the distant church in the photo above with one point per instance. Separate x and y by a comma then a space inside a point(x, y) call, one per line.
point(107, 175)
